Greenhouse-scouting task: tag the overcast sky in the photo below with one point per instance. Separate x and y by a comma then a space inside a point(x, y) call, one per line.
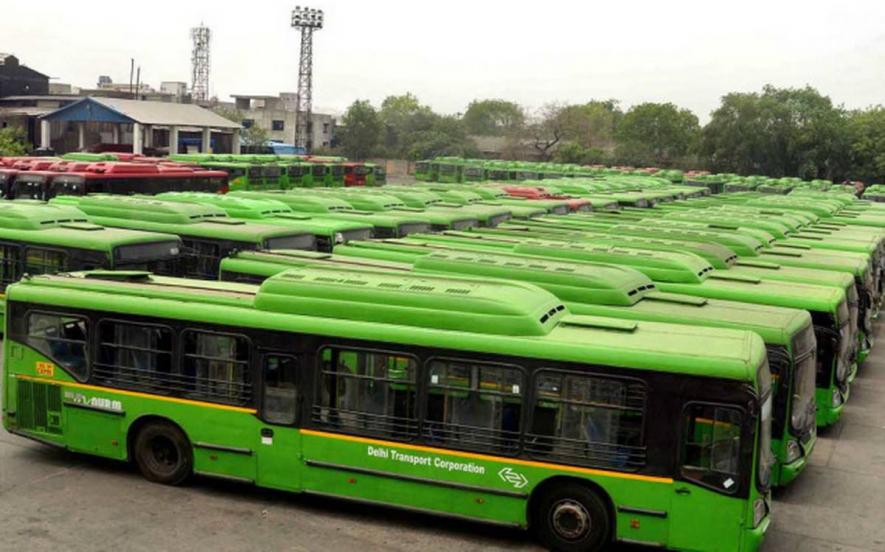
point(448, 53)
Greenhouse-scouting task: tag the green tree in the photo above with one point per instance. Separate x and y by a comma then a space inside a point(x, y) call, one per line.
point(401, 117)
point(656, 134)
point(250, 136)
point(493, 117)
point(866, 135)
point(13, 142)
point(547, 129)
point(445, 135)
point(593, 124)
point(780, 132)
point(362, 130)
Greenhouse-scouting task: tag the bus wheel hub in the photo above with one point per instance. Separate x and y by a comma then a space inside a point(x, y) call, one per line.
point(571, 519)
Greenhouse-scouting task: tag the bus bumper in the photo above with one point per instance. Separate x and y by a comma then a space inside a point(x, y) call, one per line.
point(788, 472)
point(753, 537)
point(828, 412)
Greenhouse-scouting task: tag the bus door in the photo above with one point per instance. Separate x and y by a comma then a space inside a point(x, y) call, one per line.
point(279, 441)
point(709, 483)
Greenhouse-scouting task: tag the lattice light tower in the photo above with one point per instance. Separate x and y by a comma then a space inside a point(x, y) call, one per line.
point(200, 63)
point(307, 20)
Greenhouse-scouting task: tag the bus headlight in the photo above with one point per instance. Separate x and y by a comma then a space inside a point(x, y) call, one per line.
point(794, 451)
point(339, 238)
point(837, 398)
point(759, 511)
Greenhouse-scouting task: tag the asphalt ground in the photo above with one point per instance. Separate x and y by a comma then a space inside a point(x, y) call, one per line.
point(54, 500)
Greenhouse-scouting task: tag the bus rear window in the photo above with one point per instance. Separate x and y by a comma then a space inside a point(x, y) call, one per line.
point(300, 241)
point(145, 252)
point(413, 228)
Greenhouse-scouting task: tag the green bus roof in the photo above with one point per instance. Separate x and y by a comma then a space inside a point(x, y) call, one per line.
point(183, 219)
point(268, 211)
point(586, 288)
point(65, 226)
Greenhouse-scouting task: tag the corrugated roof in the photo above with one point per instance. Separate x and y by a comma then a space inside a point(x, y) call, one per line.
point(157, 113)
point(164, 113)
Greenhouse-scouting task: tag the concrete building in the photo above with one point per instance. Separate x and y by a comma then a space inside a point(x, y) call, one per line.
point(137, 126)
point(19, 80)
point(278, 116)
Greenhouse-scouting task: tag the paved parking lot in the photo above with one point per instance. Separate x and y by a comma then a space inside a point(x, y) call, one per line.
point(52, 500)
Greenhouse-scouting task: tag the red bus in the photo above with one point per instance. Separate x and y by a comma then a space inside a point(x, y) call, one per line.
point(355, 174)
point(532, 192)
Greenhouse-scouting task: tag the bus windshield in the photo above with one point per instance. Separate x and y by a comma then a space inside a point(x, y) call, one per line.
point(145, 252)
point(766, 457)
point(803, 407)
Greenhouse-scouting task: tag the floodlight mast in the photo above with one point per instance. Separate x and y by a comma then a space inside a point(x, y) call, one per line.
point(307, 20)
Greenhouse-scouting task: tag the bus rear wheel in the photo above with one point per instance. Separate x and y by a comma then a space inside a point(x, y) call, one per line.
point(163, 453)
point(572, 518)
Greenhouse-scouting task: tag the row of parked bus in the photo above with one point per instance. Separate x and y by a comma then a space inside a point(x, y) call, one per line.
point(82, 173)
point(453, 170)
point(598, 359)
point(248, 172)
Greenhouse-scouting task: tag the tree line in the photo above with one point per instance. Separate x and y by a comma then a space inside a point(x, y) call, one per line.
point(774, 132)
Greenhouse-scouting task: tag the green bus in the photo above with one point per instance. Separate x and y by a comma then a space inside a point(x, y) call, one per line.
point(327, 206)
point(207, 233)
point(327, 232)
point(36, 238)
point(518, 210)
point(603, 290)
point(690, 275)
point(424, 171)
point(440, 219)
point(488, 216)
point(481, 400)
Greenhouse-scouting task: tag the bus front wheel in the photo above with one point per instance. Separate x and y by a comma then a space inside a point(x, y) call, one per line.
point(572, 518)
point(163, 453)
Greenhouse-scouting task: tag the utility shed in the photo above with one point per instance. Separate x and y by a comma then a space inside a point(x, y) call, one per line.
point(144, 117)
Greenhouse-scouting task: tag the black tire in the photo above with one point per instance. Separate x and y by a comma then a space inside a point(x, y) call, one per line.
point(163, 453)
point(572, 518)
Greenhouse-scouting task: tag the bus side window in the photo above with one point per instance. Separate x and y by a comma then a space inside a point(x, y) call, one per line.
point(200, 259)
point(588, 419)
point(280, 400)
point(474, 405)
point(61, 338)
point(711, 445)
point(10, 264)
point(135, 356)
point(216, 366)
point(44, 261)
point(368, 392)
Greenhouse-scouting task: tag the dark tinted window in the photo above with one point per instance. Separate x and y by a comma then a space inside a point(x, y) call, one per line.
point(10, 264)
point(280, 389)
point(590, 420)
point(44, 261)
point(367, 392)
point(136, 356)
point(61, 338)
point(216, 367)
point(711, 445)
point(474, 405)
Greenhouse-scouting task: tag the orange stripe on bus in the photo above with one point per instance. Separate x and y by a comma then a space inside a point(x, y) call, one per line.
point(473, 456)
point(137, 394)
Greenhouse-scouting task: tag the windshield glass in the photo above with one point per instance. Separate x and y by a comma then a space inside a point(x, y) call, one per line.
point(300, 241)
point(766, 457)
point(802, 414)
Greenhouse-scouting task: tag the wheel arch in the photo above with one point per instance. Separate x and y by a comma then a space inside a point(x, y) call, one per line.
point(562, 480)
point(142, 421)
